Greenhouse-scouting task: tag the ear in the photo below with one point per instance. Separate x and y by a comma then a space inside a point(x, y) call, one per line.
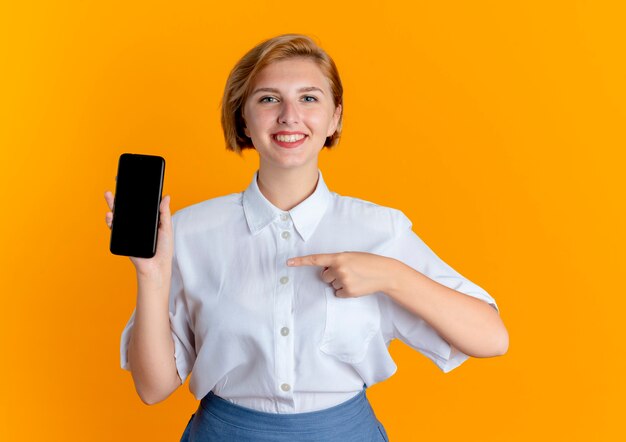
point(245, 128)
point(335, 122)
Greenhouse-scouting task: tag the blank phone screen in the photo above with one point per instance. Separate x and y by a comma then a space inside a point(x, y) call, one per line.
point(138, 188)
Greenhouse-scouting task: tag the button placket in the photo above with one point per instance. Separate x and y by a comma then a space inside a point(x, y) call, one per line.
point(283, 308)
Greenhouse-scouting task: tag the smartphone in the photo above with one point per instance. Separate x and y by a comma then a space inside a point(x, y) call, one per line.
point(138, 187)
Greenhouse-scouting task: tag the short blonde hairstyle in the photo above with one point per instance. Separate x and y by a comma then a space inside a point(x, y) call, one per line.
point(242, 75)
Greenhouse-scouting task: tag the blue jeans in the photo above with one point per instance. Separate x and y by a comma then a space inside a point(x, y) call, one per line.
point(217, 419)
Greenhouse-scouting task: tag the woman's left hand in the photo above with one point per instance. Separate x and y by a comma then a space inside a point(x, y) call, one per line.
point(351, 274)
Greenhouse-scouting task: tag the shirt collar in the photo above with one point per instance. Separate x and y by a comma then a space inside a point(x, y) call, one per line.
point(260, 212)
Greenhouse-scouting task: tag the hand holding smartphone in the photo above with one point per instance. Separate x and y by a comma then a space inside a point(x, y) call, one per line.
point(137, 205)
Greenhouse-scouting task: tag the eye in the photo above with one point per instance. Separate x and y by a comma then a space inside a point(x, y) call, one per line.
point(310, 96)
point(264, 99)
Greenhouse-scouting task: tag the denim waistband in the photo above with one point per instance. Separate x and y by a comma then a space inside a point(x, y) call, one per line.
point(308, 421)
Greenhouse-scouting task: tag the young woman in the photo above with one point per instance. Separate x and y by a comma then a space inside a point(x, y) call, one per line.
point(281, 300)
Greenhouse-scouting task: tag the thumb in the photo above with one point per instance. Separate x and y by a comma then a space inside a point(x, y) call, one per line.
point(165, 209)
point(166, 201)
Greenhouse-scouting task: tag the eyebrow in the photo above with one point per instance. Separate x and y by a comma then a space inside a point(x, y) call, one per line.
point(302, 89)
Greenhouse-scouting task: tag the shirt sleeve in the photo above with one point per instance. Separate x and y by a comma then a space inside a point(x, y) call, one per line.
point(182, 333)
point(409, 248)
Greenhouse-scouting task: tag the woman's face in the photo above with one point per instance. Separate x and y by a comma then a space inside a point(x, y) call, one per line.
point(289, 113)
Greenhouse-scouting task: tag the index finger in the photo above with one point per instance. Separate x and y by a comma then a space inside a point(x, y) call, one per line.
point(108, 196)
point(318, 259)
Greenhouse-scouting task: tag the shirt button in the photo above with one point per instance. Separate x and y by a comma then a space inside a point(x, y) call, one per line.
point(285, 235)
point(284, 331)
point(284, 280)
point(285, 387)
point(284, 216)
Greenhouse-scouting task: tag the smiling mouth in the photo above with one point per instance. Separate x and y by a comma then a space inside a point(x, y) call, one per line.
point(289, 138)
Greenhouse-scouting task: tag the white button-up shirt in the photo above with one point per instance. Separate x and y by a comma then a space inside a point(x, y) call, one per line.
point(276, 338)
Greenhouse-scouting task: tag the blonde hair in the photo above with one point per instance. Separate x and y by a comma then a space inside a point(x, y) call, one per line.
point(242, 75)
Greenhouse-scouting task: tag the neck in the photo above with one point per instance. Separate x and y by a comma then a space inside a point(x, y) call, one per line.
point(286, 188)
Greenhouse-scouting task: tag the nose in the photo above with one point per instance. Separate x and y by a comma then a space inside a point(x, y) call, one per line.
point(288, 113)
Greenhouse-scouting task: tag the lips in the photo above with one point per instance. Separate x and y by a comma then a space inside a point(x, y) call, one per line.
point(289, 139)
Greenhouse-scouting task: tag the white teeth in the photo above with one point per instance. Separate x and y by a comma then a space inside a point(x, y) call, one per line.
point(289, 138)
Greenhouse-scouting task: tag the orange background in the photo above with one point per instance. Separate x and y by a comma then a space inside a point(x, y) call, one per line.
point(496, 127)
